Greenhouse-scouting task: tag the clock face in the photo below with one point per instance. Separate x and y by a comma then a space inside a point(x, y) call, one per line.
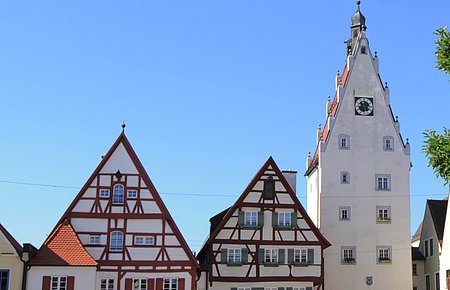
point(364, 106)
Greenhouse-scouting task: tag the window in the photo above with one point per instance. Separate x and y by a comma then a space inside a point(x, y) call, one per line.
point(271, 256)
point(94, 240)
point(431, 247)
point(244, 288)
point(436, 281)
point(414, 269)
point(426, 248)
point(170, 284)
point(383, 214)
point(144, 240)
point(284, 219)
point(348, 255)
point(427, 282)
point(271, 288)
point(383, 182)
point(344, 213)
point(251, 218)
point(344, 142)
point(59, 283)
point(345, 177)
point(116, 242)
point(300, 255)
point(363, 49)
point(104, 193)
point(118, 194)
point(384, 254)
point(132, 194)
point(447, 276)
point(106, 284)
point(234, 256)
point(269, 188)
point(388, 143)
point(139, 284)
point(4, 279)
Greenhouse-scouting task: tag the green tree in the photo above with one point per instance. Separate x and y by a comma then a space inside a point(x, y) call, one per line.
point(437, 149)
point(443, 49)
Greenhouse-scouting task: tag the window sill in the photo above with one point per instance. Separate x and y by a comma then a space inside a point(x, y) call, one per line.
point(283, 228)
point(250, 227)
point(348, 262)
point(270, 264)
point(299, 264)
point(389, 261)
point(384, 221)
point(234, 264)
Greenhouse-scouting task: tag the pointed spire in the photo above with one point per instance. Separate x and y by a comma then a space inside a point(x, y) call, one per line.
point(358, 19)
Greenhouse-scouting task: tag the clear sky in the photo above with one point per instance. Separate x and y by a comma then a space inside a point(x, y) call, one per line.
point(208, 90)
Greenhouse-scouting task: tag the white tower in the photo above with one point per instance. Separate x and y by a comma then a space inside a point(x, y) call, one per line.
point(358, 179)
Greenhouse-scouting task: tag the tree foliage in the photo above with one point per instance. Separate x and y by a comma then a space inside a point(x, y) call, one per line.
point(443, 49)
point(437, 149)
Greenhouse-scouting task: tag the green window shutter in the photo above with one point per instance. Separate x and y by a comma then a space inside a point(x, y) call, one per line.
point(275, 219)
point(241, 218)
point(223, 256)
point(294, 219)
point(308, 288)
point(281, 259)
point(310, 256)
point(261, 218)
point(244, 253)
point(261, 256)
point(233, 288)
point(290, 256)
point(288, 288)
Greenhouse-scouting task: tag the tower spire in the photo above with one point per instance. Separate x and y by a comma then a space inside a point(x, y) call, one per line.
point(358, 23)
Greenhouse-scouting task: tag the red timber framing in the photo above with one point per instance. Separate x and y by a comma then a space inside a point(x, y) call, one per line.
point(229, 230)
point(152, 243)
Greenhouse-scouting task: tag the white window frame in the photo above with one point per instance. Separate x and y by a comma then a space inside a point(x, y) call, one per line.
point(8, 276)
point(384, 254)
point(344, 142)
point(116, 241)
point(299, 288)
point(348, 255)
point(234, 256)
point(144, 240)
point(169, 282)
point(300, 255)
point(105, 283)
point(118, 194)
point(95, 239)
point(58, 283)
point(284, 219)
point(271, 288)
point(345, 177)
point(345, 210)
point(104, 193)
point(383, 182)
point(132, 194)
point(251, 218)
point(271, 256)
point(139, 284)
point(244, 288)
point(388, 143)
point(384, 214)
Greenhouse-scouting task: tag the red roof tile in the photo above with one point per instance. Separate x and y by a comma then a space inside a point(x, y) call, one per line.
point(63, 248)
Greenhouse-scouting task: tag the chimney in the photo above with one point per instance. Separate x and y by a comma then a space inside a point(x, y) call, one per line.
point(291, 177)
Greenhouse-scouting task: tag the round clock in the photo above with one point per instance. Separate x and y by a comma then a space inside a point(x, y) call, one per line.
point(364, 106)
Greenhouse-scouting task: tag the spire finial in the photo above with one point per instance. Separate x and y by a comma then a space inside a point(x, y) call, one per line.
point(123, 126)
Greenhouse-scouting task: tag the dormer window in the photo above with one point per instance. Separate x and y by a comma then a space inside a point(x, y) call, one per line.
point(269, 188)
point(118, 193)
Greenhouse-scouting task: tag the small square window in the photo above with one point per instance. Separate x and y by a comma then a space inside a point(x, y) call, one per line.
point(132, 194)
point(104, 193)
point(388, 143)
point(344, 213)
point(139, 284)
point(94, 240)
point(383, 182)
point(344, 141)
point(251, 218)
point(234, 256)
point(170, 284)
point(59, 283)
point(284, 219)
point(271, 256)
point(300, 256)
point(384, 254)
point(383, 214)
point(348, 255)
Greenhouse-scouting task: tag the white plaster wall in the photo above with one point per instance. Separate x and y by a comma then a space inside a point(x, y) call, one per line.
point(432, 263)
point(84, 276)
point(12, 263)
point(185, 275)
point(120, 156)
point(365, 159)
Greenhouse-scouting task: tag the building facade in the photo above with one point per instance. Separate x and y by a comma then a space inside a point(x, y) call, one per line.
point(11, 263)
point(117, 234)
point(264, 241)
point(358, 178)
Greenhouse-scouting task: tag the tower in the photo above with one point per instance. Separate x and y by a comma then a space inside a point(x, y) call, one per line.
point(358, 178)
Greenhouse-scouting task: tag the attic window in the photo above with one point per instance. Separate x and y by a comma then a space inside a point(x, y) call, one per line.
point(269, 188)
point(363, 49)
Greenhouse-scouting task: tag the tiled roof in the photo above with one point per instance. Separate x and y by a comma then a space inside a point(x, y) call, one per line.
point(438, 210)
point(63, 248)
point(416, 255)
point(11, 239)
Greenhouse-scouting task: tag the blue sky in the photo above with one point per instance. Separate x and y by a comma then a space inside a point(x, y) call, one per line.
point(208, 90)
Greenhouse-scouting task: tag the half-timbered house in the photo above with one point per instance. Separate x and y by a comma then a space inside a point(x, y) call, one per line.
point(265, 241)
point(117, 234)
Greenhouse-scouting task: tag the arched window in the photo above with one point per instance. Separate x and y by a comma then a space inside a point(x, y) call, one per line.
point(118, 193)
point(116, 243)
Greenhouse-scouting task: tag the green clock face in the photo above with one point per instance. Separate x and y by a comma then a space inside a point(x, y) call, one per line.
point(364, 106)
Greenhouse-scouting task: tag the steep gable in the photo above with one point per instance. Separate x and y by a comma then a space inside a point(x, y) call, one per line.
point(8, 243)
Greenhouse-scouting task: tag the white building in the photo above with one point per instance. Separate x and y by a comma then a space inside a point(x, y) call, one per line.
point(117, 234)
point(265, 241)
point(358, 179)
